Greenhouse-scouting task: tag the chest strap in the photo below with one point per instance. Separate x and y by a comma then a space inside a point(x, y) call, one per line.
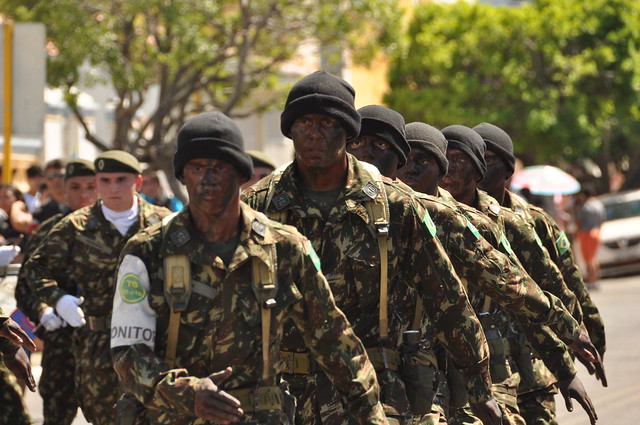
point(265, 285)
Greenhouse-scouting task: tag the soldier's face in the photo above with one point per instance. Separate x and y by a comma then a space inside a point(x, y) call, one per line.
point(319, 141)
point(496, 175)
point(258, 174)
point(118, 190)
point(421, 172)
point(462, 175)
point(375, 151)
point(54, 177)
point(212, 184)
point(80, 191)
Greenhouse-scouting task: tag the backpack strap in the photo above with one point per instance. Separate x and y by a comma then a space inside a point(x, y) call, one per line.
point(265, 287)
point(378, 210)
point(177, 290)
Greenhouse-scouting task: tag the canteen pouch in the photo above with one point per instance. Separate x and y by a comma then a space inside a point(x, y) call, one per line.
point(498, 349)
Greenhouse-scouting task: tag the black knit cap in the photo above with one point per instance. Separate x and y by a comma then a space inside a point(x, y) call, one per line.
point(388, 125)
point(468, 141)
point(321, 93)
point(211, 135)
point(117, 161)
point(78, 168)
point(430, 139)
point(498, 141)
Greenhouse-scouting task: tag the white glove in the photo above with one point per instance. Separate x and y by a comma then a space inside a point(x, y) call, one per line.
point(67, 308)
point(50, 320)
point(7, 254)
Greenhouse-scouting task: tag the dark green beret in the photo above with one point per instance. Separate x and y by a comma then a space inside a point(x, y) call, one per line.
point(260, 159)
point(117, 161)
point(79, 167)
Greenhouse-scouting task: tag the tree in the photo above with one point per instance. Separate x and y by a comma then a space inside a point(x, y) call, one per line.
point(561, 77)
point(199, 54)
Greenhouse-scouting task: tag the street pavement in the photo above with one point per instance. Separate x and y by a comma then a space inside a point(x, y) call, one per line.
point(618, 300)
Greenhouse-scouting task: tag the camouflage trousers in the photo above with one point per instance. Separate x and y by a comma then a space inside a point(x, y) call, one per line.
point(13, 410)
point(95, 379)
point(539, 407)
point(56, 385)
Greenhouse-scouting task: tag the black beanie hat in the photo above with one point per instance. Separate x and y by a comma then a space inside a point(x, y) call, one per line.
point(468, 141)
point(430, 139)
point(499, 142)
point(211, 135)
point(385, 124)
point(117, 161)
point(321, 93)
point(78, 168)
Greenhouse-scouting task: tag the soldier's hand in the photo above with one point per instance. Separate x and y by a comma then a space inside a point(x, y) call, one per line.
point(488, 412)
point(18, 363)
point(68, 308)
point(50, 320)
point(14, 333)
point(587, 353)
point(215, 405)
point(573, 388)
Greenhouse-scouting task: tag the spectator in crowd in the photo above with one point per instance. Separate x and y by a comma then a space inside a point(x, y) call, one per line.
point(35, 179)
point(152, 192)
point(589, 218)
point(15, 219)
point(54, 179)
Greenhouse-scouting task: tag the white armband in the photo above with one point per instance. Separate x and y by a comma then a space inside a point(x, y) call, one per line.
point(133, 321)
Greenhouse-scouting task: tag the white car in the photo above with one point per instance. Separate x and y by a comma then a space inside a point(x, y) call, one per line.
point(620, 234)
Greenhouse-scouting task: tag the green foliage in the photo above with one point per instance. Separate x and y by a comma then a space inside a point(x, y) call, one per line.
point(200, 54)
point(561, 76)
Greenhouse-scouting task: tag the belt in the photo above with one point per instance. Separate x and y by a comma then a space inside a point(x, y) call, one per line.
point(384, 358)
point(300, 363)
point(99, 323)
point(262, 398)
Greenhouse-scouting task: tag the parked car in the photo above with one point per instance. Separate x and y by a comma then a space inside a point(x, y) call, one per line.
point(620, 234)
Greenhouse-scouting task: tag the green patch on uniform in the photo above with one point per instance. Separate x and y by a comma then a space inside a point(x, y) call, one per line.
point(473, 229)
point(505, 243)
point(563, 243)
point(431, 226)
point(314, 257)
point(537, 238)
point(131, 290)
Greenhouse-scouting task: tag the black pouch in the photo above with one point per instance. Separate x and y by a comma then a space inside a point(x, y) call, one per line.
point(129, 411)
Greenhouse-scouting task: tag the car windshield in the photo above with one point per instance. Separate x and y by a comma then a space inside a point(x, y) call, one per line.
point(623, 210)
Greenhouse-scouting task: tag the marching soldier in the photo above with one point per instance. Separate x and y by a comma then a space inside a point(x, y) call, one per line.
point(201, 300)
point(84, 248)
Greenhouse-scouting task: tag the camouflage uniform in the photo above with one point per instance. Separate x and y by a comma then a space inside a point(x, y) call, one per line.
point(536, 400)
point(346, 243)
point(559, 248)
point(222, 324)
point(56, 384)
point(556, 363)
point(485, 269)
point(84, 247)
point(13, 411)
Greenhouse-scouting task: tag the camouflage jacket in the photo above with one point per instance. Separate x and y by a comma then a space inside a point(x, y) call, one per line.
point(346, 243)
point(542, 340)
point(221, 326)
point(26, 299)
point(559, 248)
point(484, 268)
point(84, 247)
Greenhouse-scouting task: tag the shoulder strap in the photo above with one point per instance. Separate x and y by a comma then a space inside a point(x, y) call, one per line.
point(177, 289)
point(265, 286)
point(378, 210)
